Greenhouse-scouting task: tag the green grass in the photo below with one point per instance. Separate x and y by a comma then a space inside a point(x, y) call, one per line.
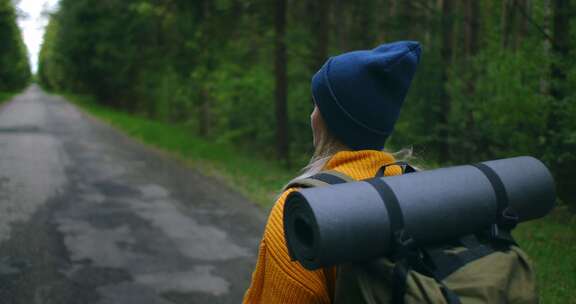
point(5, 96)
point(550, 242)
point(258, 179)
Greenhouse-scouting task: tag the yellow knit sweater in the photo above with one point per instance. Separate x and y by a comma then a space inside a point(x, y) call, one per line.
point(276, 279)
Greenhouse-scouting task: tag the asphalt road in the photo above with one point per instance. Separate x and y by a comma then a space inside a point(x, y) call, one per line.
point(88, 215)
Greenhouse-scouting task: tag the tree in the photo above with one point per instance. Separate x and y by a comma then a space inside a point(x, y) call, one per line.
point(445, 102)
point(282, 144)
point(321, 11)
point(14, 65)
point(471, 31)
point(559, 144)
point(228, 69)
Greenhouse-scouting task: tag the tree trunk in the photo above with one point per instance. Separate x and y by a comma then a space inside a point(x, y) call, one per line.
point(430, 15)
point(407, 21)
point(340, 24)
point(471, 24)
point(321, 31)
point(526, 7)
point(508, 21)
point(385, 9)
point(363, 24)
point(560, 48)
point(204, 113)
point(282, 144)
point(563, 168)
point(560, 51)
point(445, 103)
point(392, 31)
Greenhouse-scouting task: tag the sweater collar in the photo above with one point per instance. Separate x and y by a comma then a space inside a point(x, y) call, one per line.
point(360, 164)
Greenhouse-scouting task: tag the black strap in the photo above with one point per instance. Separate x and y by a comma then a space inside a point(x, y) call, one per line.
point(404, 251)
point(402, 242)
point(399, 281)
point(446, 264)
point(450, 296)
point(328, 178)
point(321, 179)
point(506, 217)
point(415, 261)
point(406, 168)
point(496, 182)
point(400, 285)
point(502, 240)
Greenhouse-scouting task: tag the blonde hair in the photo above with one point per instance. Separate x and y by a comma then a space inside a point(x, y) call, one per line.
point(326, 146)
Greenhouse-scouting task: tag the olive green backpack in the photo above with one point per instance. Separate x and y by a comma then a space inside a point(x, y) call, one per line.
point(487, 267)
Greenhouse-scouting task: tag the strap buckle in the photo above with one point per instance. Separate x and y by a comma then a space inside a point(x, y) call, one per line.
point(403, 244)
point(404, 166)
point(403, 239)
point(508, 219)
point(500, 231)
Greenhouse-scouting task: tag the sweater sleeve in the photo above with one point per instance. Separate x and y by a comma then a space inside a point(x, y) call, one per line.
point(276, 279)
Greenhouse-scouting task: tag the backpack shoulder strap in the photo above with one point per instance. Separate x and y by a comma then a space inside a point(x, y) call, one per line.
point(333, 177)
point(404, 166)
point(445, 263)
point(324, 178)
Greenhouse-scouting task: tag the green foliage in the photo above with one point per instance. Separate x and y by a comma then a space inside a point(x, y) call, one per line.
point(504, 83)
point(551, 243)
point(4, 97)
point(180, 61)
point(209, 65)
point(14, 65)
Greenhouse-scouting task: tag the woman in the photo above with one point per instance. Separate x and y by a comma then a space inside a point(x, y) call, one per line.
point(357, 96)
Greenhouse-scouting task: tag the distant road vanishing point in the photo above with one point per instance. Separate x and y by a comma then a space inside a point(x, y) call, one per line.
point(88, 215)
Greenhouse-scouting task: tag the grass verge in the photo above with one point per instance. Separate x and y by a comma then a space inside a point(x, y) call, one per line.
point(5, 96)
point(550, 242)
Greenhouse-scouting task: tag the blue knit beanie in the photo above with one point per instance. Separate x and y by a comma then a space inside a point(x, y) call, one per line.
point(360, 93)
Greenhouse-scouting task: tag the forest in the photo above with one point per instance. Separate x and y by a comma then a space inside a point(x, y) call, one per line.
point(494, 80)
point(14, 66)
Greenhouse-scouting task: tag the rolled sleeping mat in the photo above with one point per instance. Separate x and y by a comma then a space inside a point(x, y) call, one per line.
point(351, 222)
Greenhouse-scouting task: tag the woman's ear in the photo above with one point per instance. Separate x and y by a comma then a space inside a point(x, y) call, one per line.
point(315, 125)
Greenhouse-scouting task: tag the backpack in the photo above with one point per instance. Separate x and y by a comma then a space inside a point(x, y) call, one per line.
point(486, 267)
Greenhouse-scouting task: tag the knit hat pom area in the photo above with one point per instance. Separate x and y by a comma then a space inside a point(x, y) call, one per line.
point(360, 93)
